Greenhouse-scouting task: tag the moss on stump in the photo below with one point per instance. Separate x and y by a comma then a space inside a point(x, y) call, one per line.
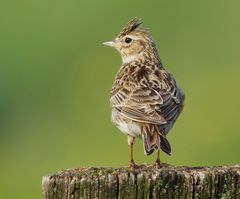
point(144, 183)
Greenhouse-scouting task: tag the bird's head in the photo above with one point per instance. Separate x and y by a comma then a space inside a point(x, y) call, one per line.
point(133, 42)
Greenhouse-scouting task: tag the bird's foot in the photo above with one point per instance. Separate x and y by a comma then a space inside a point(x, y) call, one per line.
point(158, 164)
point(132, 165)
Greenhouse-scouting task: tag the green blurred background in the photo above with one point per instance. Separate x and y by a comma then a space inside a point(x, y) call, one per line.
point(56, 78)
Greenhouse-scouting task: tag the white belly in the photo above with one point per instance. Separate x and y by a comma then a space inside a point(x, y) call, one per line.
point(127, 126)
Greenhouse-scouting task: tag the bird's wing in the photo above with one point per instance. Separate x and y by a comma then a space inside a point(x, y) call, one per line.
point(173, 99)
point(138, 105)
point(155, 102)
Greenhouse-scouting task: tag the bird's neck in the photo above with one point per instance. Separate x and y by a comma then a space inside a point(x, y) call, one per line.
point(143, 57)
point(131, 58)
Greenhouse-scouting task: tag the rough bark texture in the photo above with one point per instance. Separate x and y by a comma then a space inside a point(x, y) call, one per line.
point(146, 182)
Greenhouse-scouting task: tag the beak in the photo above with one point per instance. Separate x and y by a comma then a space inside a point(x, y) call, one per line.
point(109, 43)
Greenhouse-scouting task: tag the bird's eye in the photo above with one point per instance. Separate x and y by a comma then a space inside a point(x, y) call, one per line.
point(128, 40)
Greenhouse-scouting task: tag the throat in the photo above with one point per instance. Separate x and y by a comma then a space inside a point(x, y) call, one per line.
point(129, 58)
point(142, 57)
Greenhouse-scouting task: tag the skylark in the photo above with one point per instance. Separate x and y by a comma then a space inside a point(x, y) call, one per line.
point(145, 98)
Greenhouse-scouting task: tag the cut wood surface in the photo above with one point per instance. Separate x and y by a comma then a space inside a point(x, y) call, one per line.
point(173, 182)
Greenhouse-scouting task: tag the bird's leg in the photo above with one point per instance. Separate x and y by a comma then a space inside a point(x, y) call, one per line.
point(130, 142)
point(158, 162)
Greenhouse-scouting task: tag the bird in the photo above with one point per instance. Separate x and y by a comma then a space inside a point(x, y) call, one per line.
point(145, 99)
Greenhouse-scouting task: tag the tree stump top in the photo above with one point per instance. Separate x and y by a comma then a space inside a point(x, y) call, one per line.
point(144, 182)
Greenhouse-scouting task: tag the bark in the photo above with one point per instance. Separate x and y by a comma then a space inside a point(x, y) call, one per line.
point(146, 182)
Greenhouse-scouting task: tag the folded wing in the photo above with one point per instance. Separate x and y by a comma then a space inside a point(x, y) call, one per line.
point(153, 103)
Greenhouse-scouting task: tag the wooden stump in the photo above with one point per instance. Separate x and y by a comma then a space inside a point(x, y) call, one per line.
point(146, 182)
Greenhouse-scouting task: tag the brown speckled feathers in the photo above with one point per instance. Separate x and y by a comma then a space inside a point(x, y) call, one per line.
point(146, 93)
point(145, 98)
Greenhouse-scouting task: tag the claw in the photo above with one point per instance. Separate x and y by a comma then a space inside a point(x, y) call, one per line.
point(158, 164)
point(133, 165)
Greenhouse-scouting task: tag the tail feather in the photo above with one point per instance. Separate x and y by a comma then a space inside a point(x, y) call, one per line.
point(148, 147)
point(154, 140)
point(165, 145)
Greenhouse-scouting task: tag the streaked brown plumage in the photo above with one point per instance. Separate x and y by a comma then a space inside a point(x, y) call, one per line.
point(145, 98)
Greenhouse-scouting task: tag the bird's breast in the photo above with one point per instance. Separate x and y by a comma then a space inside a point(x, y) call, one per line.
point(125, 125)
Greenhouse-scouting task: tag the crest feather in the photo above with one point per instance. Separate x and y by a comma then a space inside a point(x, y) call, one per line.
point(130, 26)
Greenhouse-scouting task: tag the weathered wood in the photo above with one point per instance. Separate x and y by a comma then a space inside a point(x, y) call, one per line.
point(146, 182)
